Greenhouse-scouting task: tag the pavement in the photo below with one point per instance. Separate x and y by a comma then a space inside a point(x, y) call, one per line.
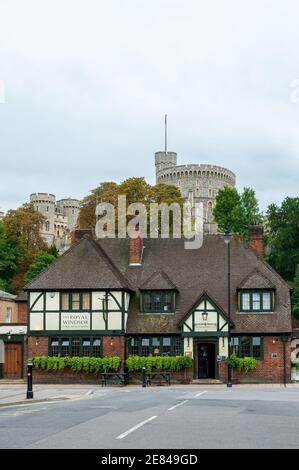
point(175, 417)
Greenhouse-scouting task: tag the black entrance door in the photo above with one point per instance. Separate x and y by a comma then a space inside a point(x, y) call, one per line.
point(206, 360)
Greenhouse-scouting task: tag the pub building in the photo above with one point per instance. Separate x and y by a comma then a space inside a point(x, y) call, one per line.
point(116, 297)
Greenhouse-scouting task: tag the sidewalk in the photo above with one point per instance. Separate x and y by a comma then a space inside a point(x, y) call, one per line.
point(15, 394)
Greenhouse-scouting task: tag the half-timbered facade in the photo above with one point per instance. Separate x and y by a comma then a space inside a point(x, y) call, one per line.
point(154, 297)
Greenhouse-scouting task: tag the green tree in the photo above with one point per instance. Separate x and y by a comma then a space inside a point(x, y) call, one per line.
point(40, 262)
point(283, 237)
point(135, 190)
point(238, 210)
point(295, 297)
point(23, 225)
point(11, 254)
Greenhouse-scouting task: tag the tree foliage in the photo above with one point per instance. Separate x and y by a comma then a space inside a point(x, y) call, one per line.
point(23, 225)
point(236, 210)
point(295, 297)
point(135, 190)
point(283, 237)
point(40, 262)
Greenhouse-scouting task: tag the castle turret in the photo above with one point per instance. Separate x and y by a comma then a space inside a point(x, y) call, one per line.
point(164, 160)
point(45, 204)
point(69, 208)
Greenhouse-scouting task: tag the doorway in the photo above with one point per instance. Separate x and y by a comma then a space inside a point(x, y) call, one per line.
point(206, 361)
point(13, 361)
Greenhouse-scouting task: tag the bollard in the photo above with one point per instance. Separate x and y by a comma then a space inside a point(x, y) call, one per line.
point(143, 377)
point(29, 380)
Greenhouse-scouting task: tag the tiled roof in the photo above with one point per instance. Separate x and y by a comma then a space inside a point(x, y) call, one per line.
point(105, 265)
point(158, 281)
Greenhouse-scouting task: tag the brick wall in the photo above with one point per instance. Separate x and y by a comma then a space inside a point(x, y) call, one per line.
point(22, 313)
point(37, 346)
point(114, 346)
point(269, 369)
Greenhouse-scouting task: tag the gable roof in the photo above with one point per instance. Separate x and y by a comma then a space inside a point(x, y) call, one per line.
point(204, 296)
point(256, 280)
point(84, 266)
point(104, 264)
point(158, 281)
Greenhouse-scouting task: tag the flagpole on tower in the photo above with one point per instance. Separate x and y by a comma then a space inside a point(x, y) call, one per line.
point(165, 134)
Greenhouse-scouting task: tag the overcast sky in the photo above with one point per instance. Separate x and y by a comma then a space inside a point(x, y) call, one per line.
point(84, 86)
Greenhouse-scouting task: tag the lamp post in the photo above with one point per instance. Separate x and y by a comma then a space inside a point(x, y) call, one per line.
point(227, 241)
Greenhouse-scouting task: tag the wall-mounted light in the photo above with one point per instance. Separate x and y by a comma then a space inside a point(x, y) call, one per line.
point(9, 335)
point(52, 295)
point(274, 340)
point(111, 341)
point(205, 315)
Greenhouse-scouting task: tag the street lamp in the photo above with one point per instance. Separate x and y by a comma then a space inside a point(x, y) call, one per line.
point(227, 241)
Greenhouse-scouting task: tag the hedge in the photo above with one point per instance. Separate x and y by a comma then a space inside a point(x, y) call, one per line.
point(77, 364)
point(173, 363)
point(245, 364)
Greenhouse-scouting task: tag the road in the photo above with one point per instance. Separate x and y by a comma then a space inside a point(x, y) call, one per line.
point(158, 417)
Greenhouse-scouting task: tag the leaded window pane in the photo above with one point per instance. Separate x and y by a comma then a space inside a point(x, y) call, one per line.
point(246, 301)
point(65, 347)
point(235, 346)
point(145, 346)
point(65, 301)
point(86, 301)
point(256, 301)
point(75, 347)
point(54, 348)
point(266, 300)
point(75, 301)
point(134, 346)
point(256, 347)
point(86, 347)
point(245, 346)
point(96, 347)
point(177, 346)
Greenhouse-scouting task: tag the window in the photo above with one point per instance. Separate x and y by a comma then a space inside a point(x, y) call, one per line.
point(65, 346)
point(54, 347)
point(65, 301)
point(160, 346)
point(247, 346)
point(8, 315)
point(75, 346)
point(256, 301)
point(157, 302)
point(75, 301)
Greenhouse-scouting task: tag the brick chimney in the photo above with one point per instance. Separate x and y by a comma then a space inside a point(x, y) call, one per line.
point(136, 247)
point(79, 233)
point(256, 239)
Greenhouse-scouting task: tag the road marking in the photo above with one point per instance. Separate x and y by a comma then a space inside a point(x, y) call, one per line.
point(90, 392)
point(134, 428)
point(178, 404)
point(199, 394)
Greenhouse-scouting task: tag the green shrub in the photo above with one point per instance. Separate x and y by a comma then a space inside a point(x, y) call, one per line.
point(245, 364)
point(173, 363)
point(78, 364)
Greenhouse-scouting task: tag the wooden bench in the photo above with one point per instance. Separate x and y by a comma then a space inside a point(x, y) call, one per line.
point(160, 376)
point(120, 377)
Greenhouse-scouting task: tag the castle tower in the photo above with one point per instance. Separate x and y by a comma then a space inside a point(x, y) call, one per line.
point(197, 182)
point(45, 204)
point(164, 160)
point(69, 208)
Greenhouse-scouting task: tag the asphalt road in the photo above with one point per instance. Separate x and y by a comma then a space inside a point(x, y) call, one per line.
point(158, 417)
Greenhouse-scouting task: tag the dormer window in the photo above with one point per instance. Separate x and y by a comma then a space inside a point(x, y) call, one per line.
point(157, 302)
point(256, 301)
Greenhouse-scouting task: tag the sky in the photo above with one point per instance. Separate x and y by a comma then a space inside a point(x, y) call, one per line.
point(85, 84)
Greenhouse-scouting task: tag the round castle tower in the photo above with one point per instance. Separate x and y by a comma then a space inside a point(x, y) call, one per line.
point(45, 204)
point(197, 182)
point(69, 208)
